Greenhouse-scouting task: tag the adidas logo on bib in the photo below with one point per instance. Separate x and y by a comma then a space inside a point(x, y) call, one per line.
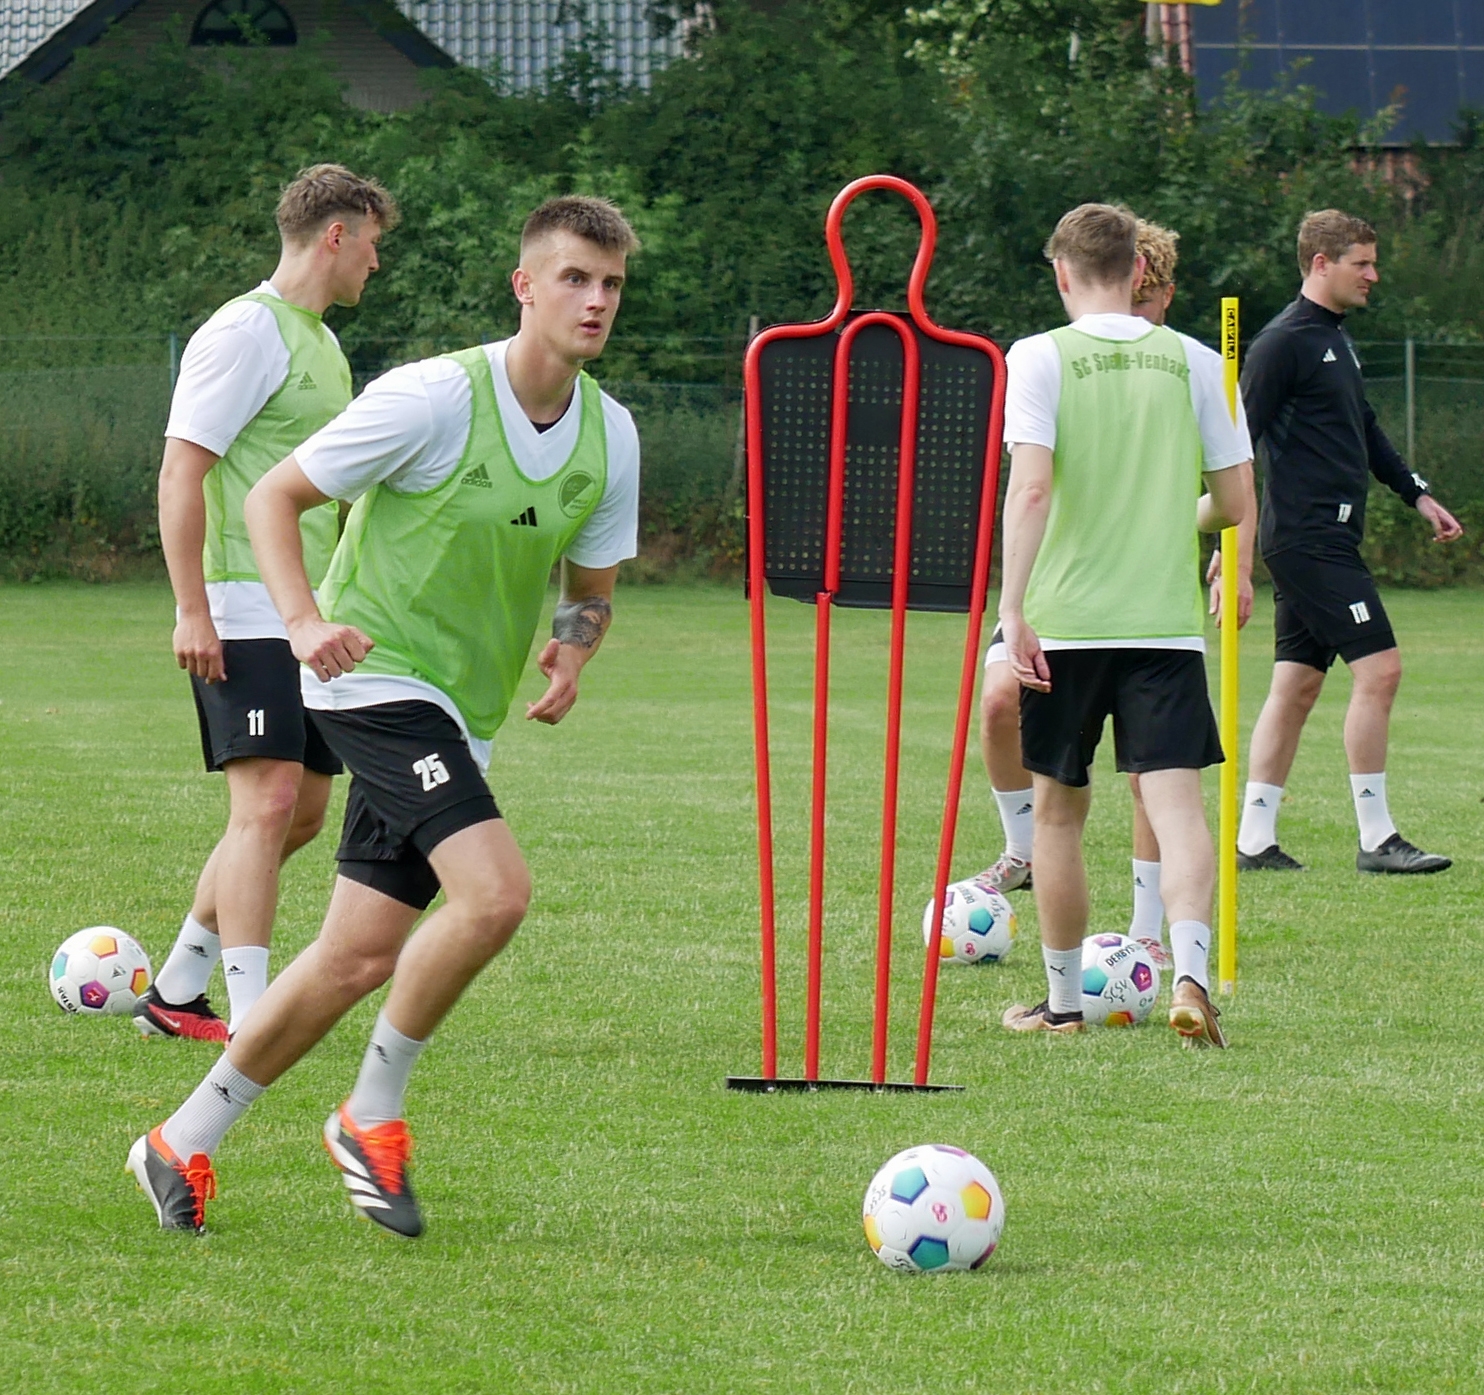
point(526, 520)
point(307, 383)
point(479, 477)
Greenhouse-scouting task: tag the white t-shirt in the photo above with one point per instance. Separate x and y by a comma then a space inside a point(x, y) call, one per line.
point(1033, 396)
point(232, 365)
point(408, 430)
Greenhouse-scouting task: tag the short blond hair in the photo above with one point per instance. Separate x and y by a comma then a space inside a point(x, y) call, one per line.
point(1097, 241)
point(1160, 249)
point(1333, 233)
point(595, 220)
point(323, 192)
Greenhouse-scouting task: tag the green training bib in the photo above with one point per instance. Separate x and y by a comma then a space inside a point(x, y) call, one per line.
point(315, 392)
point(450, 582)
point(1120, 558)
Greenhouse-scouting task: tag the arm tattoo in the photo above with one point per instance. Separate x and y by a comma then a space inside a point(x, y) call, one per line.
point(581, 622)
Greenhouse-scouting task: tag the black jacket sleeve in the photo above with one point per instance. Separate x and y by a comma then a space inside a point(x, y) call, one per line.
point(1268, 380)
point(1387, 464)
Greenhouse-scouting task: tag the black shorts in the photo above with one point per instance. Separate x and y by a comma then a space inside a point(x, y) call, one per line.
point(413, 784)
point(257, 711)
point(1324, 606)
point(1162, 718)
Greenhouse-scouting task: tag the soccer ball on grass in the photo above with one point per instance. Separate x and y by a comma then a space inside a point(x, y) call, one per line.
point(1119, 981)
point(978, 924)
point(933, 1209)
point(99, 972)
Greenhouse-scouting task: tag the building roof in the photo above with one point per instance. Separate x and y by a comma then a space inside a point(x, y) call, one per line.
point(27, 24)
point(522, 39)
point(525, 39)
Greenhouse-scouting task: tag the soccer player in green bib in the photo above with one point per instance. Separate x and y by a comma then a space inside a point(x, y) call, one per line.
point(1112, 424)
point(261, 375)
point(471, 475)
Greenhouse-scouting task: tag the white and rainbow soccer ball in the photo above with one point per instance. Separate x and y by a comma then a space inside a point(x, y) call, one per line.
point(933, 1209)
point(99, 972)
point(1119, 981)
point(978, 924)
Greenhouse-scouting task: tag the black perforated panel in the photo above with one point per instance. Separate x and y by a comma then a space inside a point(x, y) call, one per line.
point(953, 421)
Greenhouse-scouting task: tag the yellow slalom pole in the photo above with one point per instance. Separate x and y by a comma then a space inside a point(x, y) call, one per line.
point(1226, 918)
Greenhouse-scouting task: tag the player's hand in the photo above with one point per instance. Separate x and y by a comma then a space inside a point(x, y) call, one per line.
point(1027, 661)
point(1445, 528)
point(328, 650)
point(560, 664)
point(198, 649)
point(1244, 591)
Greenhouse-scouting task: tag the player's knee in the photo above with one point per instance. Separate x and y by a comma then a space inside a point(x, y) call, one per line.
point(267, 807)
point(353, 970)
point(1299, 691)
point(495, 912)
point(999, 704)
point(304, 828)
point(368, 973)
point(1380, 675)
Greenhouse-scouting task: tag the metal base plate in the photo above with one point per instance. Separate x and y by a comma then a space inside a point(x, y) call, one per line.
point(764, 1085)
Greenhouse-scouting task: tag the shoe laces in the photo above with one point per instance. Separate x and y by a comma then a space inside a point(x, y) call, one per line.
point(201, 1179)
point(387, 1148)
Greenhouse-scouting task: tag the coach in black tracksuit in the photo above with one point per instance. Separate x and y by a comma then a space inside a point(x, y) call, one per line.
point(1319, 444)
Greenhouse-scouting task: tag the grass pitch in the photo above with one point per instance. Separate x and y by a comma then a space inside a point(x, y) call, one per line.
point(1301, 1213)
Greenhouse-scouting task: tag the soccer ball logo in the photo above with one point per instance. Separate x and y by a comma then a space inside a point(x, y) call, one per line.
point(99, 972)
point(1119, 981)
point(978, 924)
point(933, 1209)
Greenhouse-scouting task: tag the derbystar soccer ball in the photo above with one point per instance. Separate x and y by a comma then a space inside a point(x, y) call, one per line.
point(99, 972)
point(932, 1209)
point(1119, 981)
point(978, 924)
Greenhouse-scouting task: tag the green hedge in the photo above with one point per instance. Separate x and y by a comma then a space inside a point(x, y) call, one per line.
point(79, 451)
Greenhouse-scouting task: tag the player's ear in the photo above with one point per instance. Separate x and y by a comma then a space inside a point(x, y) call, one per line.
point(520, 283)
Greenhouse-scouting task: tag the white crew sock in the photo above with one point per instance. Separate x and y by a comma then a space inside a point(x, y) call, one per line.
point(185, 974)
point(382, 1083)
point(1371, 813)
point(1017, 818)
point(1191, 943)
point(1259, 830)
point(246, 971)
point(1149, 910)
point(1063, 978)
point(214, 1106)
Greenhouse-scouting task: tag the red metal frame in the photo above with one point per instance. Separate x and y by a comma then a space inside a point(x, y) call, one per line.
point(757, 588)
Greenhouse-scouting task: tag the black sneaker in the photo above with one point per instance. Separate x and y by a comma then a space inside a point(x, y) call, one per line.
point(156, 1018)
point(1271, 859)
point(1398, 855)
point(179, 1190)
point(373, 1166)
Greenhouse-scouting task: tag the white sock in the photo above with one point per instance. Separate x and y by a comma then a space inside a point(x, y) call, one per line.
point(382, 1083)
point(1371, 813)
point(185, 974)
point(1149, 911)
point(215, 1105)
point(1063, 978)
point(246, 972)
point(1017, 818)
point(1191, 943)
point(1259, 830)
